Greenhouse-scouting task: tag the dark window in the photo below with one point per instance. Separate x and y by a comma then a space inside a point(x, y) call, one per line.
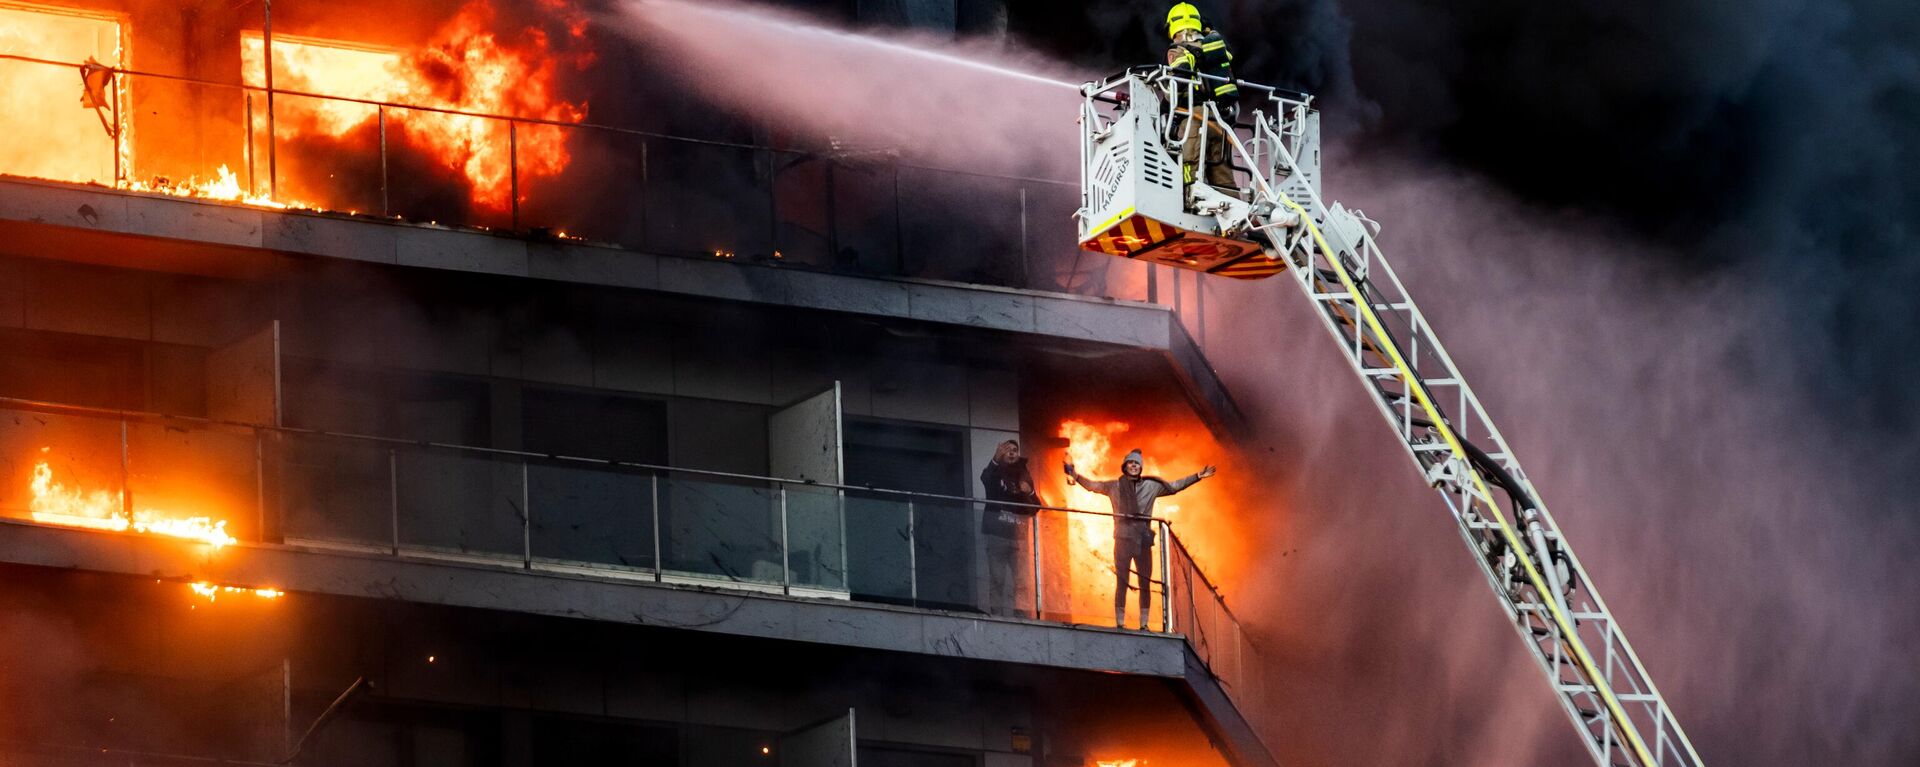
point(917, 458)
point(899, 456)
point(594, 425)
point(407, 405)
point(873, 756)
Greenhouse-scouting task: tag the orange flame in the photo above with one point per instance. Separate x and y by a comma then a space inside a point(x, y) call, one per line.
point(467, 68)
point(213, 592)
point(56, 504)
point(1206, 517)
point(48, 134)
point(1120, 763)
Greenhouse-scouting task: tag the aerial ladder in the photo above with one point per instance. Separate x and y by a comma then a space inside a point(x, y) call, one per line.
point(1136, 202)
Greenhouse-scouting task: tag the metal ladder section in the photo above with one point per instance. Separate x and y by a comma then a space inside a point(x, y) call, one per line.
point(1599, 681)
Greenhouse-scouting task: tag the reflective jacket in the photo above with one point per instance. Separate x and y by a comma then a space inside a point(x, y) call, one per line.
point(1207, 56)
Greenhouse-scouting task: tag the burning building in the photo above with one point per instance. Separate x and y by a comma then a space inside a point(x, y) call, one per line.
point(448, 357)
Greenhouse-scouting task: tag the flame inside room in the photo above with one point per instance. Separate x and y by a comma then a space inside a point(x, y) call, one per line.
point(416, 112)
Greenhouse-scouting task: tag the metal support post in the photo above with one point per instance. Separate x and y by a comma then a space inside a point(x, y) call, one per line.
point(659, 567)
point(119, 135)
point(259, 486)
point(1026, 261)
point(253, 187)
point(840, 505)
point(386, 202)
point(513, 171)
point(1038, 588)
point(1166, 577)
point(126, 483)
point(786, 562)
point(393, 497)
point(913, 559)
point(273, 157)
point(526, 520)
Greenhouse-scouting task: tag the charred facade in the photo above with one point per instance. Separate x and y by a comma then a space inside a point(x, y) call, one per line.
point(568, 421)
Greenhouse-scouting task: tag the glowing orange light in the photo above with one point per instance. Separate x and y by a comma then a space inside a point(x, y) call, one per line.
point(1204, 516)
point(48, 133)
point(56, 504)
point(212, 592)
point(1120, 763)
point(466, 67)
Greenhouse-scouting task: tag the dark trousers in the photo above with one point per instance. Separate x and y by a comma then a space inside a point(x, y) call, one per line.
point(1132, 555)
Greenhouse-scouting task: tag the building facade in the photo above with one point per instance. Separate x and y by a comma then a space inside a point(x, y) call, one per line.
point(696, 487)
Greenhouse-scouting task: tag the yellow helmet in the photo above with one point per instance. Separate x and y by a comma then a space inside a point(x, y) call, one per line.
point(1182, 16)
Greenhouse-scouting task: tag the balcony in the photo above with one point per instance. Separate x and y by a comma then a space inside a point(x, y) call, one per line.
point(829, 209)
point(309, 511)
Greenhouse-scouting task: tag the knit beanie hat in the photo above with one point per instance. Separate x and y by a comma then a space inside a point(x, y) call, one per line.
point(1135, 457)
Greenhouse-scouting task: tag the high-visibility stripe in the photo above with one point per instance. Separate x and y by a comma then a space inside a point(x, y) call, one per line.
point(1107, 224)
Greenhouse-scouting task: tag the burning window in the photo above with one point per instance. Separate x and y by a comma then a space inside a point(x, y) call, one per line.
point(49, 133)
point(324, 67)
point(468, 66)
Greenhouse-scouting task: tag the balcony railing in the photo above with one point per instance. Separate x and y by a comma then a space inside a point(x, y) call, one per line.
point(608, 518)
point(864, 212)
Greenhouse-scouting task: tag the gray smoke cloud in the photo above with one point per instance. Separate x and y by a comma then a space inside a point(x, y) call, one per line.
point(1750, 546)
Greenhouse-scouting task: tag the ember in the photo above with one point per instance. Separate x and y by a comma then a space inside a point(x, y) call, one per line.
point(56, 504)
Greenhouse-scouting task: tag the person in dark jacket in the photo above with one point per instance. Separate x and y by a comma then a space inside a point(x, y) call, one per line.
point(1132, 496)
point(1006, 528)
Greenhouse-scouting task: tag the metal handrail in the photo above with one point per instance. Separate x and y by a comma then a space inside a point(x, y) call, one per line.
point(139, 415)
point(1171, 562)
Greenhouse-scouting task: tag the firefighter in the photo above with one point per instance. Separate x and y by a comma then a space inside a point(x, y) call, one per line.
point(1199, 52)
point(1132, 496)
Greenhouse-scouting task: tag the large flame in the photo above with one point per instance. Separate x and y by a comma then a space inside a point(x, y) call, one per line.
point(471, 64)
point(56, 504)
point(47, 132)
point(467, 67)
point(1206, 517)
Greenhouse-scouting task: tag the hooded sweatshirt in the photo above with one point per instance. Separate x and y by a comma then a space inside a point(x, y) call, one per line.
point(1133, 499)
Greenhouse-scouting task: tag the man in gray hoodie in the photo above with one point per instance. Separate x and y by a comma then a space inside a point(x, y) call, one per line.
point(1132, 496)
